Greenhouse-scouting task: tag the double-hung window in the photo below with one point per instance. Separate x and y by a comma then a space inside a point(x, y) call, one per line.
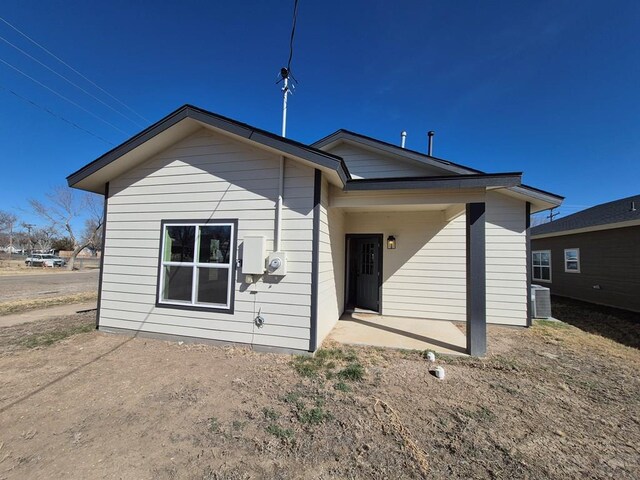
point(196, 265)
point(572, 260)
point(541, 263)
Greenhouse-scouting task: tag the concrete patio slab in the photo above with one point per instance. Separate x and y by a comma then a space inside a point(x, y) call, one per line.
point(397, 332)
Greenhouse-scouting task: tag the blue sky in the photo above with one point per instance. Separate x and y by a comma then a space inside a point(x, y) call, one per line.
point(548, 87)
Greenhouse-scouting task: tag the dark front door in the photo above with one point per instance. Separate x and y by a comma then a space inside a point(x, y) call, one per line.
point(365, 254)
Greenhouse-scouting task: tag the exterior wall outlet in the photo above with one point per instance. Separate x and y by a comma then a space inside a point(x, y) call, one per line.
point(253, 255)
point(277, 264)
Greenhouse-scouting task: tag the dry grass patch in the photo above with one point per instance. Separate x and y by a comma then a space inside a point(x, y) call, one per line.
point(44, 333)
point(17, 306)
point(621, 326)
point(13, 267)
point(45, 339)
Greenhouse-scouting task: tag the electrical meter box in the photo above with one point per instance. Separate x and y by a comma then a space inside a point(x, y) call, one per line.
point(253, 255)
point(277, 264)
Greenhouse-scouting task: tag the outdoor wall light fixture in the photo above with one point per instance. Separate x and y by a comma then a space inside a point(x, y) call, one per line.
point(391, 242)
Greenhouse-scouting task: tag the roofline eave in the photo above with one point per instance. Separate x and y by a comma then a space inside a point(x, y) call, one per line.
point(413, 155)
point(483, 180)
point(239, 129)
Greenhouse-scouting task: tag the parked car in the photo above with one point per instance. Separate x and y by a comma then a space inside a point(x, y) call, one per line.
point(44, 259)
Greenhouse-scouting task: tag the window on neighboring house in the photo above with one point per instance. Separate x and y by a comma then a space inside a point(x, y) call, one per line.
point(541, 264)
point(197, 264)
point(572, 260)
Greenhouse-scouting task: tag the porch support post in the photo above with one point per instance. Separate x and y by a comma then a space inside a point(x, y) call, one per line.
point(315, 262)
point(104, 240)
point(476, 280)
point(529, 260)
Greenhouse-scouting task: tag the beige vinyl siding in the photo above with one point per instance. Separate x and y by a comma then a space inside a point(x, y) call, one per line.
point(506, 248)
point(364, 163)
point(425, 276)
point(331, 265)
point(205, 176)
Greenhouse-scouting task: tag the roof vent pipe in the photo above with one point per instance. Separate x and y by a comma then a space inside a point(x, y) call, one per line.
point(403, 138)
point(633, 206)
point(430, 135)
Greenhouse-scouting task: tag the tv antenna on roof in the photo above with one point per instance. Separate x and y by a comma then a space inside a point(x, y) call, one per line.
point(285, 73)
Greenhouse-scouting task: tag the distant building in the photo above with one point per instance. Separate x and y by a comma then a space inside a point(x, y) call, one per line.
point(11, 249)
point(592, 255)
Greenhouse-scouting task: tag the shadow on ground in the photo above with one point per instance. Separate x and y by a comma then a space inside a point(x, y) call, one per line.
point(621, 326)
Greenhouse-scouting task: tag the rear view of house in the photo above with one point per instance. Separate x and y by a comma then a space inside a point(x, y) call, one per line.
point(219, 231)
point(592, 255)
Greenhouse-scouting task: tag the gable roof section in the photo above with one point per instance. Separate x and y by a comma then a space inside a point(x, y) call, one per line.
point(540, 199)
point(619, 213)
point(188, 119)
point(346, 135)
point(175, 120)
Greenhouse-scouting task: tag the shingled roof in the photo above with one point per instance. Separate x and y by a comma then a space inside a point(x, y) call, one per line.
point(617, 212)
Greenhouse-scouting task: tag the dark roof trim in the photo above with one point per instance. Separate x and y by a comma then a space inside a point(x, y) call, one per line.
point(263, 137)
point(435, 161)
point(538, 194)
point(614, 214)
point(481, 180)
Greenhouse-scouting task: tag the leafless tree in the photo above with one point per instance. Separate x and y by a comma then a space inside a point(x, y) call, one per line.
point(8, 222)
point(64, 206)
point(42, 238)
point(21, 240)
point(92, 234)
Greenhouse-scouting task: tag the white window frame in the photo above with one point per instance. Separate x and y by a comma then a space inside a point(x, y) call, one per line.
point(193, 304)
point(533, 265)
point(577, 260)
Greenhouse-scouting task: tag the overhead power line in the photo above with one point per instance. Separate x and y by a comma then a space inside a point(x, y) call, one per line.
point(60, 117)
point(73, 69)
point(62, 96)
point(293, 33)
point(69, 81)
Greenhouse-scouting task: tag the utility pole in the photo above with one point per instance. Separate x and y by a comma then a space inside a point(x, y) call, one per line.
point(29, 226)
point(284, 72)
point(11, 221)
point(552, 215)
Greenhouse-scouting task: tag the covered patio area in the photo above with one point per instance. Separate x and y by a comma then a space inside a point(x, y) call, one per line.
point(414, 257)
point(365, 328)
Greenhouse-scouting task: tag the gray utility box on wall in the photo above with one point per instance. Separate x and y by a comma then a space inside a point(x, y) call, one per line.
point(540, 301)
point(253, 255)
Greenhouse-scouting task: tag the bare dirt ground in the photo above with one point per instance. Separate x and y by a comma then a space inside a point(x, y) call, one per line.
point(549, 402)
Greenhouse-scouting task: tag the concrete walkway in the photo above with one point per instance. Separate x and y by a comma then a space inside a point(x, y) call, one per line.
point(397, 332)
point(44, 313)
